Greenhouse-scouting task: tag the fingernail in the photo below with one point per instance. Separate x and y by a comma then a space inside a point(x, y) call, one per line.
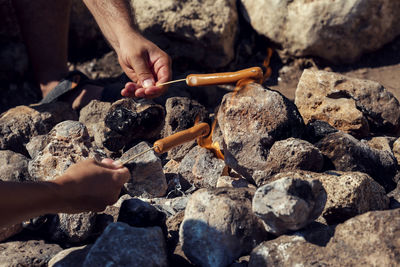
point(147, 83)
point(117, 163)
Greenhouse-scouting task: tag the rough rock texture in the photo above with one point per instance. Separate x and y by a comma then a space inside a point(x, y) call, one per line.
point(201, 168)
point(396, 150)
point(291, 154)
point(14, 166)
point(93, 116)
point(18, 125)
point(339, 31)
point(384, 143)
point(316, 130)
point(251, 120)
point(36, 144)
point(147, 176)
point(219, 226)
point(348, 193)
point(122, 245)
point(370, 239)
point(70, 257)
point(135, 119)
point(352, 105)
point(8, 231)
point(201, 31)
point(289, 204)
point(181, 115)
point(72, 228)
point(346, 153)
point(67, 143)
point(228, 181)
point(35, 253)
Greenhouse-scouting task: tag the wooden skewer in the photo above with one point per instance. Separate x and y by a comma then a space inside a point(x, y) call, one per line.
point(175, 81)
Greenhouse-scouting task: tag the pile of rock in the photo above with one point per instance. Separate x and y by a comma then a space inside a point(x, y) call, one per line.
point(304, 182)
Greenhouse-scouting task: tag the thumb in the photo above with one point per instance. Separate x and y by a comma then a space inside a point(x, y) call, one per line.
point(142, 68)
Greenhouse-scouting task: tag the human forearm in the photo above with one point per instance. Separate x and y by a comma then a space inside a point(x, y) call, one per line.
point(21, 201)
point(114, 18)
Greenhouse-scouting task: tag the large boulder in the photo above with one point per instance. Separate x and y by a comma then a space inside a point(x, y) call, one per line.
point(339, 31)
point(251, 120)
point(352, 105)
point(201, 31)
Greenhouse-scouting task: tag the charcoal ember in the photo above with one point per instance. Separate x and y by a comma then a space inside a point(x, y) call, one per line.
point(14, 166)
point(67, 143)
point(346, 153)
point(181, 114)
point(201, 168)
point(25, 253)
point(289, 204)
point(251, 120)
point(365, 240)
point(135, 119)
point(348, 193)
point(138, 213)
point(147, 176)
point(18, 125)
point(123, 245)
point(219, 226)
point(317, 129)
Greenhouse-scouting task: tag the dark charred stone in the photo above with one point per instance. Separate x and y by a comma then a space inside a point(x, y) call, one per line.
point(135, 120)
point(317, 129)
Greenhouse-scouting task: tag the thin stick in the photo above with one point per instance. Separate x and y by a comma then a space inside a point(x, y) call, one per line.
point(175, 81)
point(137, 155)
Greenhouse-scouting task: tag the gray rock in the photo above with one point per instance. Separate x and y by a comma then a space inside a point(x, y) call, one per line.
point(14, 166)
point(219, 226)
point(348, 193)
point(355, 106)
point(339, 31)
point(70, 257)
point(182, 113)
point(67, 143)
point(18, 125)
point(370, 239)
point(227, 181)
point(36, 144)
point(72, 228)
point(291, 154)
point(348, 154)
point(147, 176)
point(27, 253)
point(122, 245)
point(251, 120)
point(203, 32)
point(201, 168)
point(289, 204)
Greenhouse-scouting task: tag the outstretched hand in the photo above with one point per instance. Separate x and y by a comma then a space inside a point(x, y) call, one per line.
point(146, 65)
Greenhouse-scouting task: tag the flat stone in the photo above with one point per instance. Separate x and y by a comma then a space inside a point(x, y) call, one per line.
point(147, 176)
point(122, 245)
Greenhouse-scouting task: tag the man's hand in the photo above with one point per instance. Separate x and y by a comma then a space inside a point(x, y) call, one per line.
point(90, 185)
point(145, 64)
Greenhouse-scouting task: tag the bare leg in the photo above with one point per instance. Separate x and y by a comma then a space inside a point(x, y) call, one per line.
point(44, 25)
